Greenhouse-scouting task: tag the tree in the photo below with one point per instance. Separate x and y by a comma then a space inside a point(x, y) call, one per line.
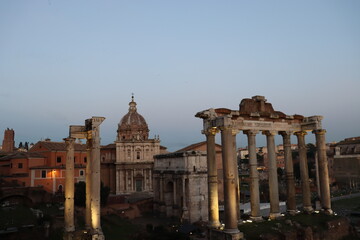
point(20, 145)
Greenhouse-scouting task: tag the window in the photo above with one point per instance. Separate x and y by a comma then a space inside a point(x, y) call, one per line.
point(137, 155)
point(43, 174)
point(85, 159)
point(74, 159)
point(20, 165)
point(81, 173)
point(58, 159)
point(10, 165)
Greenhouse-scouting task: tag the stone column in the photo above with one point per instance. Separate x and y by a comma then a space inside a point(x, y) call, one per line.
point(162, 200)
point(323, 171)
point(185, 211)
point(213, 199)
point(273, 178)
point(237, 183)
point(254, 176)
point(88, 184)
point(117, 184)
point(95, 179)
point(151, 180)
point(304, 172)
point(184, 193)
point(289, 173)
point(231, 223)
point(69, 189)
point(174, 193)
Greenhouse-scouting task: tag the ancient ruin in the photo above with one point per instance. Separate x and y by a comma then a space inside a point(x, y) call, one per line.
point(91, 132)
point(256, 116)
point(180, 185)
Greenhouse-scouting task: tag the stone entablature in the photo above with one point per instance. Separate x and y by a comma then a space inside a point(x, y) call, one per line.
point(181, 162)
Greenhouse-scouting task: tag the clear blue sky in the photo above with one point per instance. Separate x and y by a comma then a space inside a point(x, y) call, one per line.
point(64, 61)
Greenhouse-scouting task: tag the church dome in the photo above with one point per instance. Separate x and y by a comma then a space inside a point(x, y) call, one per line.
point(132, 126)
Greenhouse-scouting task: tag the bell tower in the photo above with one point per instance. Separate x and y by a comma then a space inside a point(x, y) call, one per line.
point(8, 144)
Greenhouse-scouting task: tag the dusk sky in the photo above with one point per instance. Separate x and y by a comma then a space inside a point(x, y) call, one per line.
point(62, 62)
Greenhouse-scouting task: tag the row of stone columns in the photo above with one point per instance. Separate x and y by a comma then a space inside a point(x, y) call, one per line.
point(231, 174)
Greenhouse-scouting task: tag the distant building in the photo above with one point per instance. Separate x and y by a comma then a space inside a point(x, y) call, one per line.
point(8, 144)
point(127, 165)
point(43, 165)
point(346, 163)
point(180, 185)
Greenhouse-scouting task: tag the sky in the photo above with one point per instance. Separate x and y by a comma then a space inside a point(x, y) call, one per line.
point(62, 62)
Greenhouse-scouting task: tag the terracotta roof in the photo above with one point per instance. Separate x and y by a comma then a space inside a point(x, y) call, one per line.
point(109, 146)
point(19, 155)
point(58, 146)
point(193, 146)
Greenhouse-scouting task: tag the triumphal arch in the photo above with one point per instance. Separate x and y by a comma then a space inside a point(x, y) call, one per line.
point(257, 116)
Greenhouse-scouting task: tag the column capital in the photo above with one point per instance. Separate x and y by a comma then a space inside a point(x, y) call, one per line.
point(224, 128)
point(251, 132)
point(300, 133)
point(319, 131)
point(211, 131)
point(234, 132)
point(269, 133)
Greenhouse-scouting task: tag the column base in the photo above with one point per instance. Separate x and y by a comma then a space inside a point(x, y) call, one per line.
point(97, 235)
point(274, 215)
point(233, 234)
point(256, 219)
point(308, 209)
point(291, 212)
point(214, 225)
point(328, 211)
